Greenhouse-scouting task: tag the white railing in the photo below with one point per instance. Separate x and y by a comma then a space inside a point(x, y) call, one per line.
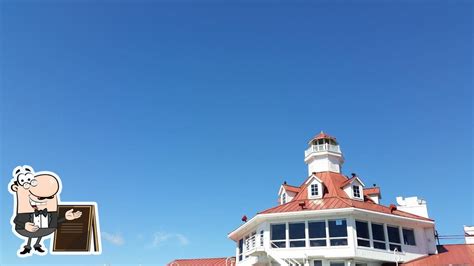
point(322, 147)
point(251, 244)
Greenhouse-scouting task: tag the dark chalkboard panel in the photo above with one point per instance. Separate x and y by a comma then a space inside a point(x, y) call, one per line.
point(78, 235)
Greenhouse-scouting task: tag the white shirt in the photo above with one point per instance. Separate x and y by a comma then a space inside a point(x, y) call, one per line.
point(41, 221)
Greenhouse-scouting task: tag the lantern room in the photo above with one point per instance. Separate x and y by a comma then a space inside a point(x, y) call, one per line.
point(323, 154)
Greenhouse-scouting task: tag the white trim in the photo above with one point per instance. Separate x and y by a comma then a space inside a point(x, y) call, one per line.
point(352, 181)
point(311, 177)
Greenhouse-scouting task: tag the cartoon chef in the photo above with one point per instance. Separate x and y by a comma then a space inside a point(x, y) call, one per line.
point(35, 213)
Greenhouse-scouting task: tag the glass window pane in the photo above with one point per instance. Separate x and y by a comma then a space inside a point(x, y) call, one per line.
point(356, 191)
point(296, 231)
point(297, 244)
point(409, 237)
point(317, 229)
point(336, 263)
point(377, 232)
point(339, 242)
point(337, 228)
point(278, 244)
point(363, 243)
point(241, 245)
point(393, 234)
point(317, 263)
point(317, 243)
point(393, 247)
point(278, 231)
point(362, 229)
point(314, 189)
point(379, 245)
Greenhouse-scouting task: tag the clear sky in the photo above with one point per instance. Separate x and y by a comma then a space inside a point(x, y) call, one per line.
point(177, 119)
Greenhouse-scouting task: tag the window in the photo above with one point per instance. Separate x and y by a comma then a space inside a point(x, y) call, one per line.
point(297, 234)
point(283, 198)
point(363, 238)
point(394, 238)
point(378, 236)
point(409, 237)
point(338, 263)
point(317, 263)
point(317, 233)
point(337, 232)
point(241, 247)
point(278, 235)
point(261, 238)
point(314, 190)
point(356, 191)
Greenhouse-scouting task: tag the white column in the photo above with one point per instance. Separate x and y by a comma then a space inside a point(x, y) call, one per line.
point(306, 234)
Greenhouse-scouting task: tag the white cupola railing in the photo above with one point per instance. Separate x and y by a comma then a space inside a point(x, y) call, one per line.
point(322, 147)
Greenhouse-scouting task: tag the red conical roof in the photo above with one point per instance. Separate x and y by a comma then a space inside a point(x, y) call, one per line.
point(322, 135)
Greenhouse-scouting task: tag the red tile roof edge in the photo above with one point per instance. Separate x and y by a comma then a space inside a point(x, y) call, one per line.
point(291, 188)
point(372, 190)
point(348, 181)
point(203, 261)
point(444, 258)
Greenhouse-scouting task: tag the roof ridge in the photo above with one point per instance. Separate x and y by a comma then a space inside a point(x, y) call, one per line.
point(422, 217)
point(290, 185)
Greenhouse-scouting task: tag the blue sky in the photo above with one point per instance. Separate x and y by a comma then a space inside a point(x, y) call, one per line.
point(187, 116)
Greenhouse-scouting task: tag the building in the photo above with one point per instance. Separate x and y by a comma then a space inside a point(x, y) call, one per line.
point(334, 220)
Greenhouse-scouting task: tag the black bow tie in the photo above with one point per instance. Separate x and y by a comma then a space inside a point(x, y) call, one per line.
point(44, 212)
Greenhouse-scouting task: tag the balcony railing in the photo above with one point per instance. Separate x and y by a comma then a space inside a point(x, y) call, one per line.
point(253, 244)
point(322, 147)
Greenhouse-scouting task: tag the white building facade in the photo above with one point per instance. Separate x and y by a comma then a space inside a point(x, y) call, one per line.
point(334, 220)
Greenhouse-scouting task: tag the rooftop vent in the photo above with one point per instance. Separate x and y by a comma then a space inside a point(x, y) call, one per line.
point(392, 207)
point(302, 204)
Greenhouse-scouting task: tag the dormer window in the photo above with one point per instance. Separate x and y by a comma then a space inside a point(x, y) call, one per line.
point(356, 191)
point(354, 188)
point(314, 190)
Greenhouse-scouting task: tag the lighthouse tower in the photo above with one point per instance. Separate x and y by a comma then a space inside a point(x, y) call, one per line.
point(323, 154)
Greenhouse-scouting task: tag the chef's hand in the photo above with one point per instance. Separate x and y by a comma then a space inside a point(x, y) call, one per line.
point(71, 215)
point(31, 227)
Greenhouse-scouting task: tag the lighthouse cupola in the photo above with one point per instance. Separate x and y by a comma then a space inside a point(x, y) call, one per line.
point(323, 154)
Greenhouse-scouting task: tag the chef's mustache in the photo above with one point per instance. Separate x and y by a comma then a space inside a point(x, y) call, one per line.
point(42, 198)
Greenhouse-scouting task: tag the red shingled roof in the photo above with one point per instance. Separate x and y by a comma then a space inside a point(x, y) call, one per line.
point(203, 262)
point(333, 198)
point(323, 135)
point(291, 188)
point(348, 181)
point(458, 254)
point(372, 191)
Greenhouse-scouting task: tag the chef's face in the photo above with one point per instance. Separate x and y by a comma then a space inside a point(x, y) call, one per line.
point(36, 192)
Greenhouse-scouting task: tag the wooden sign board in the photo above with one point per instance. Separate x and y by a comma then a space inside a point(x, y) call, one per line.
point(80, 235)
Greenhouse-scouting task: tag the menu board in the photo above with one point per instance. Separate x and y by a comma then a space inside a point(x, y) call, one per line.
point(79, 235)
